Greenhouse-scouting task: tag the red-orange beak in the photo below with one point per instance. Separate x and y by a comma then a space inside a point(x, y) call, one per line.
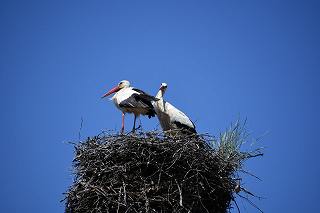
point(113, 90)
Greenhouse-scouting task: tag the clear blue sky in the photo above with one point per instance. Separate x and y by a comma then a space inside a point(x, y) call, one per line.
point(221, 59)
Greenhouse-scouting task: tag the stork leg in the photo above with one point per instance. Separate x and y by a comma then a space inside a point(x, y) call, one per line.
point(122, 124)
point(140, 125)
point(134, 124)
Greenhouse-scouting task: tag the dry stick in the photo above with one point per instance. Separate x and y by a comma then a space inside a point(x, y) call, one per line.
point(146, 198)
point(180, 193)
point(249, 201)
point(234, 200)
point(124, 193)
point(79, 134)
point(248, 155)
point(119, 199)
point(250, 193)
point(248, 173)
point(160, 173)
point(199, 193)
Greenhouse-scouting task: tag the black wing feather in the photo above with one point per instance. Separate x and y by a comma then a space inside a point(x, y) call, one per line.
point(185, 127)
point(145, 95)
point(143, 98)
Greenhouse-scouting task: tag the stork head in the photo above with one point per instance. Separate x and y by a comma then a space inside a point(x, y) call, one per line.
point(163, 87)
point(122, 84)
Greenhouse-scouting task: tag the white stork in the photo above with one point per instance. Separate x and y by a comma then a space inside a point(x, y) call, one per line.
point(169, 116)
point(131, 100)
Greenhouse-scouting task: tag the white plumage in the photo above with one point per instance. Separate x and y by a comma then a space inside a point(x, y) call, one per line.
point(169, 116)
point(131, 100)
point(126, 100)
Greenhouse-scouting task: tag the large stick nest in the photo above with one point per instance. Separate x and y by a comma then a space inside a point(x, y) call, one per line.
point(152, 172)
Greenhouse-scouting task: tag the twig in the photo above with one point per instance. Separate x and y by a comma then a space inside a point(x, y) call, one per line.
point(180, 193)
point(251, 203)
point(79, 134)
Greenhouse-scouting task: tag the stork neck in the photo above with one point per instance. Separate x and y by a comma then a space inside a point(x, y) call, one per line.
point(159, 94)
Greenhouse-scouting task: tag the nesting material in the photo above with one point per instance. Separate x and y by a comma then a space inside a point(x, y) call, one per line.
point(153, 172)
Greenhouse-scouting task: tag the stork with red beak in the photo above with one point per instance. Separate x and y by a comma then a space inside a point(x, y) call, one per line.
point(132, 100)
point(169, 116)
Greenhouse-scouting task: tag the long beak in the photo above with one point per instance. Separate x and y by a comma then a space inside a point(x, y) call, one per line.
point(113, 90)
point(162, 88)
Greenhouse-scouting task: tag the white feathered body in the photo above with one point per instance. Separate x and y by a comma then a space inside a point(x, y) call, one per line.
point(170, 117)
point(130, 100)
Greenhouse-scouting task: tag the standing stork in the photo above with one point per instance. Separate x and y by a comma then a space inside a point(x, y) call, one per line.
point(131, 100)
point(169, 116)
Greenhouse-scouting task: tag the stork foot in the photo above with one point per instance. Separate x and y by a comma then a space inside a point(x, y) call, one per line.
point(139, 127)
point(134, 129)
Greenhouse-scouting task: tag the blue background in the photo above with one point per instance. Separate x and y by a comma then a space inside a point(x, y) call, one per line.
point(221, 59)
